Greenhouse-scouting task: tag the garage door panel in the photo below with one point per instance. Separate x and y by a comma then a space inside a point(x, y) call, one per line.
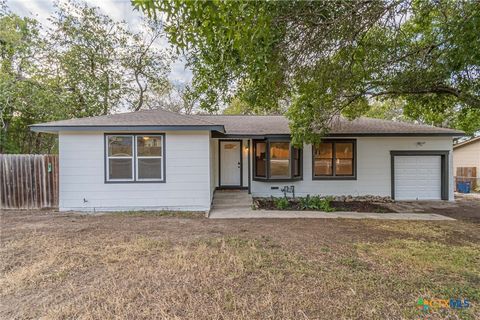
point(417, 177)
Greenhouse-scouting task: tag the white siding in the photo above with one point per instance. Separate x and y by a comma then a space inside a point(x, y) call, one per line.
point(373, 169)
point(215, 156)
point(187, 186)
point(213, 166)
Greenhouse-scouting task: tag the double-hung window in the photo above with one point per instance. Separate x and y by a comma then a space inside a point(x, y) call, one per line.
point(120, 158)
point(276, 160)
point(134, 158)
point(334, 159)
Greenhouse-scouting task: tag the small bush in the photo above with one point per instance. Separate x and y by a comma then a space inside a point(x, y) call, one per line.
point(316, 203)
point(304, 202)
point(281, 203)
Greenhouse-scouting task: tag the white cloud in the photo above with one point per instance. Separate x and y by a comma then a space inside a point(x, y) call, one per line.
point(39, 9)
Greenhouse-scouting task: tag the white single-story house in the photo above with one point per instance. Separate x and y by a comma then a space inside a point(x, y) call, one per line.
point(159, 160)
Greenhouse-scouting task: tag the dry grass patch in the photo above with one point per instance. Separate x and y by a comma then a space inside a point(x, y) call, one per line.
point(144, 267)
point(417, 229)
point(443, 271)
point(165, 214)
point(423, 255)
point(221, 277)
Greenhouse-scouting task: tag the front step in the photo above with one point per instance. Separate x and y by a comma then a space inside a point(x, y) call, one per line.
point(232, 199)
point(231, 195)
point(226, 206)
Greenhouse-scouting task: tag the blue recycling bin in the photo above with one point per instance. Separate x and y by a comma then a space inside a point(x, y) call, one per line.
point(463, 186)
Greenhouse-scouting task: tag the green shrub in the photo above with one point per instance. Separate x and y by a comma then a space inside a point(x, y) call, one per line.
point(281, 203)
point(316, 203)
point(304, 203)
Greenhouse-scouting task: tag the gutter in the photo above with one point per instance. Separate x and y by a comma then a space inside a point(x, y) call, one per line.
point(126, 128)
point(349, 135)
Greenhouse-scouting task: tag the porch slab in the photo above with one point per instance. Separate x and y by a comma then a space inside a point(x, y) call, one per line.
point(247, 213)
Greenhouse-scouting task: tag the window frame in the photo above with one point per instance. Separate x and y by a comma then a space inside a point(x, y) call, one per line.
point(108, 157)
point(137, 157)
point(267, 161)
point(254, 160)
point(333, 176)
point(134, 158)
point(300, 163)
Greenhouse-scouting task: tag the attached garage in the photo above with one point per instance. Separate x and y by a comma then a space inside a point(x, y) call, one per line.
point(419, 175)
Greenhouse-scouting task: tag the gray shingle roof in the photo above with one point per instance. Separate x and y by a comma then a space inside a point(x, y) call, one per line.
point(265, 125)
point(254, 125)
point(143, 117)
point(236, 124)
point(466, 142)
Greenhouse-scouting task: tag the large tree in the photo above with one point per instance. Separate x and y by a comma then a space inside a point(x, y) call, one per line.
point(84, 64)
point(324, 58)
point(104, 65)
point(25, 96)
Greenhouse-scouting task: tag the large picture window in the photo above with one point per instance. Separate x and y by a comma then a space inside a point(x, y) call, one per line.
point(279, 160)
point(134, 158)
point(276, 160)
point(334, 159)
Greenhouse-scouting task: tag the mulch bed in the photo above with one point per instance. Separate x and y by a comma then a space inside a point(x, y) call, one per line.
point(360, 206)
point(356, 206)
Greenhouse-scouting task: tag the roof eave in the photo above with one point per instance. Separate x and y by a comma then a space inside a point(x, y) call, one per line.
point(466, 143)
point(399, 134)
point(126, 128)
point(392, 134)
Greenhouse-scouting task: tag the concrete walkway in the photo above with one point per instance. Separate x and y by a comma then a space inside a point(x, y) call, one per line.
point(247, 213)
point(237, 204)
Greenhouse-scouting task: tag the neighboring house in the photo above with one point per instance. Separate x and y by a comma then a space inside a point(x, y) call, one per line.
point(466, 160)
point(166, 161)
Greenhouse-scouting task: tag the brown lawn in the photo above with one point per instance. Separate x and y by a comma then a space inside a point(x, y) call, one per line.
point(144, 266)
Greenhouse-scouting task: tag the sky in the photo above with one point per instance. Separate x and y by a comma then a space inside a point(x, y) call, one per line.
point(117, 9)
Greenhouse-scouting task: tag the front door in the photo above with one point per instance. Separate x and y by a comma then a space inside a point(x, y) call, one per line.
point(230, 164)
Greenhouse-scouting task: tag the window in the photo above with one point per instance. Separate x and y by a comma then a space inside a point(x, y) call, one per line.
point(279, 160)
point(334, 159)
point(120, 158)
point(260, 159)
point(134, 158)
point(276, 160)
point(324, 159)
point(297, 162)
point(149, 157)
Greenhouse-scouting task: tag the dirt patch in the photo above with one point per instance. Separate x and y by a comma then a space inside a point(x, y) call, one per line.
point(461, 209)
point(143, 266)
point(361, 206)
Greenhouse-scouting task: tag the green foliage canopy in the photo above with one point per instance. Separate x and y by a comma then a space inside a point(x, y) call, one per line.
point(324, 58)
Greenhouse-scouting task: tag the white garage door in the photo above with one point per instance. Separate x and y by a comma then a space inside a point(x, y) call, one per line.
point(418, 178)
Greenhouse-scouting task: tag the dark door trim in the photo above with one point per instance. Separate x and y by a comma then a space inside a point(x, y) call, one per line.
point(220, 165)
point(444, 167)
point(249, 155)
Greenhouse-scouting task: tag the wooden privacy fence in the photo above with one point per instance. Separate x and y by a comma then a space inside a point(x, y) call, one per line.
point(467, 174)
point(28, 181)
